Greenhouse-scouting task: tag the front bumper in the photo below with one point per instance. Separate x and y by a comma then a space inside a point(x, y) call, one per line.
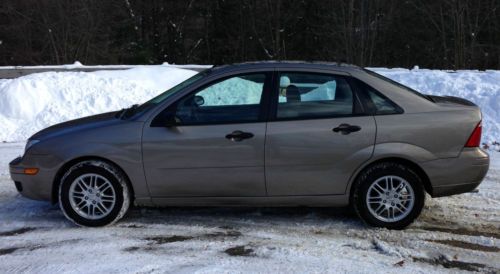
point(39, 186)
point(457, 175)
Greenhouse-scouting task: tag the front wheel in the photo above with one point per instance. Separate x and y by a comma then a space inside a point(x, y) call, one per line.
point(388, 195)
point(94, 193)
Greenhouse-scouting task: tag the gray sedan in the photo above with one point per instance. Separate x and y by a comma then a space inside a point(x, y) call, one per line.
point(262, 134)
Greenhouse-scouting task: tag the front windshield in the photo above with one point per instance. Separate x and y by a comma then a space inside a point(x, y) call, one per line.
point(164, 95)
point(160, 98)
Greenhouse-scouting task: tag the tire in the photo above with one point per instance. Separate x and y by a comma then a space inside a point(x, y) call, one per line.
point(94, 193)
point(397, 210)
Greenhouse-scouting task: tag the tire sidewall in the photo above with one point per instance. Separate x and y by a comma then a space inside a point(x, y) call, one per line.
point(85, 168)
point(384, 169)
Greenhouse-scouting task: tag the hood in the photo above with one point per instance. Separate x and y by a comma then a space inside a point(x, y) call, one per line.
point(77, 125)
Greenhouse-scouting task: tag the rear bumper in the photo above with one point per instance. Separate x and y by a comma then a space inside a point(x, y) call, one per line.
point(39, 186)
point(457, 175)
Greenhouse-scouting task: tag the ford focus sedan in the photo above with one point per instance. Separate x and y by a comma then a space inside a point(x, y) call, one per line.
point(262, 134)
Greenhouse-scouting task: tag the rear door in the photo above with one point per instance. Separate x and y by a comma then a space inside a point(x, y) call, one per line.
point(317, 135)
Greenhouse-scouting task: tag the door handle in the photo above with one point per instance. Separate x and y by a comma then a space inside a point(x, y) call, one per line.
point(239, 135)
point(346, 129)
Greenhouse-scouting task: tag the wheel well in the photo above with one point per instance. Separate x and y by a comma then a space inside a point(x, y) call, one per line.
point(415, 167)
point(60, 173)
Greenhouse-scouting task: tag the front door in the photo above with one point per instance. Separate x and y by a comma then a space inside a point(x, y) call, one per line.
point(210, 143)
point(318, 137)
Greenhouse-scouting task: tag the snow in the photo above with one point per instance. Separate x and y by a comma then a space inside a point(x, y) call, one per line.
point(78, 65)
point(33, 102)
point(480, 87)
point(35, 237)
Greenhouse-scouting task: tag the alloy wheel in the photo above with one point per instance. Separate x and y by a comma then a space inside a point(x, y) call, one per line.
point(390, 198)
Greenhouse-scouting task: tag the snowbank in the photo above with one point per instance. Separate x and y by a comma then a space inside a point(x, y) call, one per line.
point(480, 87)
point(33, 102)
point(36, 101)
point(78, 65)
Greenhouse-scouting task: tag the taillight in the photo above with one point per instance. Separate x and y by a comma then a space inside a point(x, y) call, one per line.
point(475, 137)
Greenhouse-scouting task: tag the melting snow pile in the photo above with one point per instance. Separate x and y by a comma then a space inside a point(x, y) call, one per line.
point(33, 102)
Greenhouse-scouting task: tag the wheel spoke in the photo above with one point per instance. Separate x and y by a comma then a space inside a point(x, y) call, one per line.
point(82, 185)
point(80, 203)
point(378, 189)
point(399, 186)
point(380, 209)
point(107, 186)
point(406, 198)
point(102, 208)
point(401, 189)
point(375, 200)
point(402, 208)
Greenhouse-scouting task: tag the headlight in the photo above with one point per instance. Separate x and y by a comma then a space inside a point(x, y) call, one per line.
point(29, 144)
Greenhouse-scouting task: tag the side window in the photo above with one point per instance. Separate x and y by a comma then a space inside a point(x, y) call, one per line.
point(235, 99)
point(309, 95)
point(376, 101)
point(241, 90)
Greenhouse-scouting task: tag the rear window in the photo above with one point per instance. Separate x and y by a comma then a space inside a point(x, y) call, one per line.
point(381, 77)
point(378, 103)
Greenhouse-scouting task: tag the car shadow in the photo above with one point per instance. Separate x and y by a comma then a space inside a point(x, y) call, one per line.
point(20, 211)
point(220, 216)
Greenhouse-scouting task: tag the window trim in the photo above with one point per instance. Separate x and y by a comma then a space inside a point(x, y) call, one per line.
point(358, 106)
point(263, 105)
point(364, 98)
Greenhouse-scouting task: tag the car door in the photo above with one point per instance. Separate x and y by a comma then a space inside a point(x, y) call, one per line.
point(210, 143)
point(318, 135)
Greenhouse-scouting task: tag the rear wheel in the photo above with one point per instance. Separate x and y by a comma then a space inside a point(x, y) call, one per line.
point(94, 193)
point(388, 195)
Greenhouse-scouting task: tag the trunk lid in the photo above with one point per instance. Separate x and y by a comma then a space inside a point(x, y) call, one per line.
point(451, 100)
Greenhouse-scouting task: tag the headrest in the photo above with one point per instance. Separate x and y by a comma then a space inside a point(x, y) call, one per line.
point(292, 94)
point(284, 81)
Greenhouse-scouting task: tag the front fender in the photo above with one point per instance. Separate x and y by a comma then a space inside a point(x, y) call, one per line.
point(119, 143)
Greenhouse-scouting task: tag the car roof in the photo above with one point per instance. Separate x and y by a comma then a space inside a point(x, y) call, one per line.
point(285, 64)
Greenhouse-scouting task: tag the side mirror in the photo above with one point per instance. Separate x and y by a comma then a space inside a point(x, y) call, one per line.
point(199, 100)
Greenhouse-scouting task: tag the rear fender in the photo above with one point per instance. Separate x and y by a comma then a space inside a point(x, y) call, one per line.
point(398, 152)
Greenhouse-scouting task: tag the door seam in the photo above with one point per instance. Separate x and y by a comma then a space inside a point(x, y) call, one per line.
point(265, 159)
